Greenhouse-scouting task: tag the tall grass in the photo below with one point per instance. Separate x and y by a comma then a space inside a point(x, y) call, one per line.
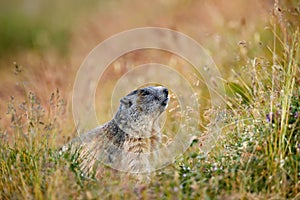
point(257, 155)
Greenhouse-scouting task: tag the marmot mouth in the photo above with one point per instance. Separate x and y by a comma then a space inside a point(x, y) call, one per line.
point(165, 102)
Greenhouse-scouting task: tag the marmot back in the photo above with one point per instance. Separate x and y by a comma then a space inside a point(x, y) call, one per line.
point(125, 142)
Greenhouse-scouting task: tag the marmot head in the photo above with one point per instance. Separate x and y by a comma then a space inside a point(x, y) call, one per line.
point(139, 110)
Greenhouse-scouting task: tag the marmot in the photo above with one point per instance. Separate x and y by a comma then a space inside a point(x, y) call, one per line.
point(128, 141)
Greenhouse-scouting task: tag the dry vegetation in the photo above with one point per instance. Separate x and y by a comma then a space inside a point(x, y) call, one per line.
point(257, 50)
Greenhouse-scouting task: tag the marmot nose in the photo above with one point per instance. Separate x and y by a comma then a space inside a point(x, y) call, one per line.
point(166, 92)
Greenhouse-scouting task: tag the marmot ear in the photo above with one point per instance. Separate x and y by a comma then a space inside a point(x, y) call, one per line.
point(126, 101)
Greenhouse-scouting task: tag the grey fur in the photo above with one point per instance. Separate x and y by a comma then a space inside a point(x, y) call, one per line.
point(126, 141)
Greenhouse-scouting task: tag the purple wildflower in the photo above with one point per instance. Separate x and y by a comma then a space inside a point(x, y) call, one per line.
point(269, 116)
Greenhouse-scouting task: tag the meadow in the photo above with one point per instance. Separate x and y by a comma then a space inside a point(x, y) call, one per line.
point(257, 154)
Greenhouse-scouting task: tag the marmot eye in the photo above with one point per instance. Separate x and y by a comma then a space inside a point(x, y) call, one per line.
point(145, 92)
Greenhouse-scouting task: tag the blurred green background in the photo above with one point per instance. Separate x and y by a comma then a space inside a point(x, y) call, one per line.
point(41, 25)
point(43, 43)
